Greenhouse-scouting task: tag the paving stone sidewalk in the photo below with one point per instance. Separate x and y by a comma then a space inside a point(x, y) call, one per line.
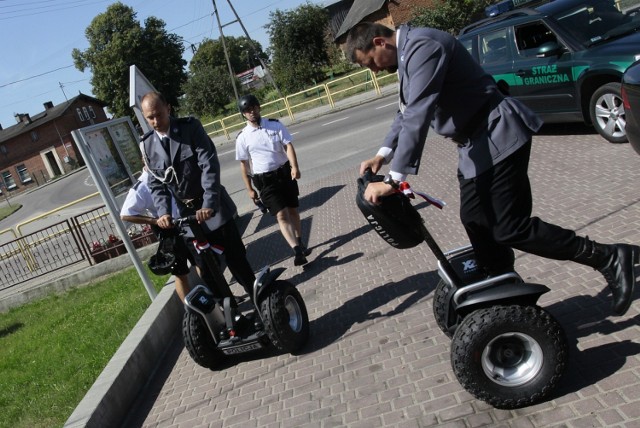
point(376, 357)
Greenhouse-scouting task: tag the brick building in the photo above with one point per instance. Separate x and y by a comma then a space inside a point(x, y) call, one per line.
point(40, 147)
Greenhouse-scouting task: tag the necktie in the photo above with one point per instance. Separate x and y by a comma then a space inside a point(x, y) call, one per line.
point(165, 144)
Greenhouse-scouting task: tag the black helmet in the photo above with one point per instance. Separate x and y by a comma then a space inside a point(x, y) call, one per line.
point(161, 263)
point(395, 219)
point(247, 101)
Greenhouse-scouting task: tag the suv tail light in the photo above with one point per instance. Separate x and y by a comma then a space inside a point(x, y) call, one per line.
point(625, 98)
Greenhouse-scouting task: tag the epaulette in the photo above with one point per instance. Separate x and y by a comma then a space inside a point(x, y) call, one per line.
point(239, 133)
point(186, 119)
point(274, 120)
point(146, 135)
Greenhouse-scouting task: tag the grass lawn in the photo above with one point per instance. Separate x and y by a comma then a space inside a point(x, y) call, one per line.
point(8, 210)
point(52, 350)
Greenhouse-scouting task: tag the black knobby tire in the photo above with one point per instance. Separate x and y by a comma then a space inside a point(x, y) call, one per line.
point(509, 356)
point(198, 341)
point(285, 317)
point(606, 112)
point(440, 306)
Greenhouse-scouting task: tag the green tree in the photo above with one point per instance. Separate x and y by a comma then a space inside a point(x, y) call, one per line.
point(298, 46)
point(209, 87)
point(208, 91)
point(450, 15)
point(117, 41)
point(243, 54)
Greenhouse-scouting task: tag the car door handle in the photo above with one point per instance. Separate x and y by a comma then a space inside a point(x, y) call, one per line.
point(520, 73)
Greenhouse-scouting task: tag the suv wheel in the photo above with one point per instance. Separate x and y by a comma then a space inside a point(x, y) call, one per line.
point(607, 113)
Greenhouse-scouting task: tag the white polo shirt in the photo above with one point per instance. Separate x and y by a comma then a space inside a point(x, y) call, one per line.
point(139, 201)
point(263, 146)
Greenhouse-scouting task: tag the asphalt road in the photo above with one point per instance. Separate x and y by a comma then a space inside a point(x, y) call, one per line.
point(324, 145)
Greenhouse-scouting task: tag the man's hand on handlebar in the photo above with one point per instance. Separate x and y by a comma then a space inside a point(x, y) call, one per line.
point(375, 191)
point(165, 222)
point(374, 164)
point(204, 214)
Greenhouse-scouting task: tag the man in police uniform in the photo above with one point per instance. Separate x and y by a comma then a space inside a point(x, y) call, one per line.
point(443, 87)
point(267, 158)
point(183, 162)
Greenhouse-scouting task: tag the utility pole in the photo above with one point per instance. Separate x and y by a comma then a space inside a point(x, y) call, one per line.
point(62, 89)
point(226, 53)
point(252, 46)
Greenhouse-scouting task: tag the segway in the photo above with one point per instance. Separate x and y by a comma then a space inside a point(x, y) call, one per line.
point(505, 349)
point(214, 325)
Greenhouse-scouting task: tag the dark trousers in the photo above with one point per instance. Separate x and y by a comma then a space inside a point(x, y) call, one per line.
point(495, 209)
point(235, 254)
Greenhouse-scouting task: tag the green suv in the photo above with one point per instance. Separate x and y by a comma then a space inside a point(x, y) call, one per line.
point(564, 59)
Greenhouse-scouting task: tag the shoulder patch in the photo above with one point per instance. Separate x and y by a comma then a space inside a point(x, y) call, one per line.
point(273, 120)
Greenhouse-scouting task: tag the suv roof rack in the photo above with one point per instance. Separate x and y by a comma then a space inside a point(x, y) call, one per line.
point(525, 11)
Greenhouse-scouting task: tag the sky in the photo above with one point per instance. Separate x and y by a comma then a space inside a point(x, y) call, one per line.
point(38, 36)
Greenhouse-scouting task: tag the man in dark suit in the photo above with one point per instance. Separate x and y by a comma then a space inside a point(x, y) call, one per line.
point(443, 87)
point(182, 161)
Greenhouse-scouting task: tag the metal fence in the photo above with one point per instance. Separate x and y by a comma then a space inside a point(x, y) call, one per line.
point(90, 236)
point(324, 94)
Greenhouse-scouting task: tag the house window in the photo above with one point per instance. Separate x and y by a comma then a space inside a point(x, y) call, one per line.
point(92, 113)
point(80, 115)
point(23, 174)
point(9, 183)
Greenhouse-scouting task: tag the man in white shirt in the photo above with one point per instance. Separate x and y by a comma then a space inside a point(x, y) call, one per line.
point(268, 159)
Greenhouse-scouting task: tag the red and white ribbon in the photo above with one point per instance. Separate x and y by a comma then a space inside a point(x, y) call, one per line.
point(201, 246)
point(405, 188)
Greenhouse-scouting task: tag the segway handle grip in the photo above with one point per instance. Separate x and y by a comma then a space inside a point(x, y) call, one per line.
point(190, 219)
point(368, 176)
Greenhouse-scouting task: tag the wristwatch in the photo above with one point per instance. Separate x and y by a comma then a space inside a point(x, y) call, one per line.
point(391, 182)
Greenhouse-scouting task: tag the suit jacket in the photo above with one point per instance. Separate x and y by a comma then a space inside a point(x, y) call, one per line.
point(191, 171)
point(442, 86)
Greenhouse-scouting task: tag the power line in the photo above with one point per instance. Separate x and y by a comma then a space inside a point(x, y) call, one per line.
point(37, 75)
point(49, 10)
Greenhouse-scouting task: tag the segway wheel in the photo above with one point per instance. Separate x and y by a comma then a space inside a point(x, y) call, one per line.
point(198, 341)
point(509, 356)
point(440, 296)
point(285, 317)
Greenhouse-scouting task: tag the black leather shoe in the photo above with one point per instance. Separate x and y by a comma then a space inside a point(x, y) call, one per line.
point(620, 276)
point(306, 251)
point(300, 259)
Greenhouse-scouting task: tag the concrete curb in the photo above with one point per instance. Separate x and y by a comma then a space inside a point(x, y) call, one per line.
point(108, 401)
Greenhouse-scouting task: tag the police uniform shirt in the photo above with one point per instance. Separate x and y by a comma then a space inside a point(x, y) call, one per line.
point(139, 201)
point(263, 146)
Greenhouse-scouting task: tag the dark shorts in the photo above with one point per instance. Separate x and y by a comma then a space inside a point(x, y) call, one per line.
point(184, 258)
point(277, 189)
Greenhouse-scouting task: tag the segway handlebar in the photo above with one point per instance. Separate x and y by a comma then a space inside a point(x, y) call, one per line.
point(190, 220)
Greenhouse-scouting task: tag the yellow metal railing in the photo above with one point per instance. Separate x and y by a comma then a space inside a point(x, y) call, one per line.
point(316, 96)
